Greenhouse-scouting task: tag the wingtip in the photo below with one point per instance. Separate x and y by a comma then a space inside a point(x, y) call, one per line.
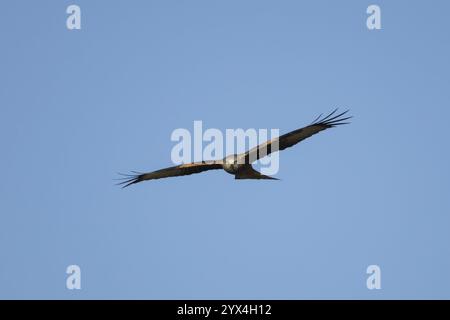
point(128, 179)
point(333, 119)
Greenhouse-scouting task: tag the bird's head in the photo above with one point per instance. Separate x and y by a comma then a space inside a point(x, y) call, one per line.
point(231, 159)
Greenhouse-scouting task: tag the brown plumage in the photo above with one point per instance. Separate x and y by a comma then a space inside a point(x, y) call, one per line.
point(240, 164)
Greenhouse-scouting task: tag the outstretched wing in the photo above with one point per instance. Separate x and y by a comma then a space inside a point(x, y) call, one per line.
point(292, 138)
point(181, 170)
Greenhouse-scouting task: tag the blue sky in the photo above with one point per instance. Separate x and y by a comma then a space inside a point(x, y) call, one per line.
point(78, 106)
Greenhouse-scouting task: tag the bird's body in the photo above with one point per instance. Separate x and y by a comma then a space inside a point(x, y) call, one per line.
point(236, 165)
point(239, 165)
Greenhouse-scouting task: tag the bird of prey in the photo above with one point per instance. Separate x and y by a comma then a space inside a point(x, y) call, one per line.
point(240, 164)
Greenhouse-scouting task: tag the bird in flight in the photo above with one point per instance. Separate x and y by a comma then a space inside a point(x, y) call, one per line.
point(240, 165)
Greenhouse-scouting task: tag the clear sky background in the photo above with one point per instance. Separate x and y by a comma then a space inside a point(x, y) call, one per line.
point(79, 106)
